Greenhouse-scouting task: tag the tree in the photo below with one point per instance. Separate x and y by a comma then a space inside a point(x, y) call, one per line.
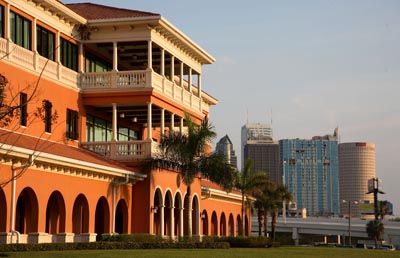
point(383, 209)
point(375, 230)
point(248, 183)
point(187, 154)
point(270, 200)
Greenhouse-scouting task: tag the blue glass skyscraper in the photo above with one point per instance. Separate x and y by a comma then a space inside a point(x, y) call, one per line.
point(310, 172)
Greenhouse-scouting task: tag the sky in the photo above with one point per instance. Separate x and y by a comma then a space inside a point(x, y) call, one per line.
point(306, 66)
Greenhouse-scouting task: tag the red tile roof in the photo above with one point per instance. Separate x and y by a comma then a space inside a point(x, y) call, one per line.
point(92, 11)
point(42, 145)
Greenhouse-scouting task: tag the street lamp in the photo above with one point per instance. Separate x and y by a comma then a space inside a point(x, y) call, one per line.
point(349, 203)
point(284, 200)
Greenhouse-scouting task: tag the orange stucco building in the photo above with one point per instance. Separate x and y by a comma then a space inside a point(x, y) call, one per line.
point(94, 89)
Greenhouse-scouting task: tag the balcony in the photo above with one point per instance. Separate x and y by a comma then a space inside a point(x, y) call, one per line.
point(124, 151)
point(139, 80)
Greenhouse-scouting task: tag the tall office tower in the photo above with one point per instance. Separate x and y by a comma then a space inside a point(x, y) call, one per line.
point(356, 167)
point(310, 172)
point(254, 133)
point(225, 147)
point(265, 158)
point(257, 145)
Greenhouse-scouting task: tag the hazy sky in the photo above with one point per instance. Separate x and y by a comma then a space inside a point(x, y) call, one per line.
point(315, 64)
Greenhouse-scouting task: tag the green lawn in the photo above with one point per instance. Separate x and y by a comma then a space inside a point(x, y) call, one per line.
point(292, 252)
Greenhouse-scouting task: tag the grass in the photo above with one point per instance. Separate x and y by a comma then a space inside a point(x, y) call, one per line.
point(282, 252)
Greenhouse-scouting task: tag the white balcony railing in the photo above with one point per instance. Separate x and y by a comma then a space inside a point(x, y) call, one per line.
point(33, 61)
point(124, 150)
point(106, 80)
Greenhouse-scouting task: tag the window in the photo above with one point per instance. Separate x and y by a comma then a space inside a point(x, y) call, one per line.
point(95, 64)
point(47, 115)
point(72, 124)
point(69, 54)
point(20, 30)
point(1, 21)
point(23, 108)
point(45, 42)
point(98, 129)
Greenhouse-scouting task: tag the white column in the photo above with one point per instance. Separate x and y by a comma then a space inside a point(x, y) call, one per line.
point(7, 18)
point(162, 123)
point(114, 122)
point(181, 76)
point(199, 85)
point(181, 126)
point(172, 125)
point(181, 222)
point(149, 121)
point(149, 55)
point(58, 47)
point(171, 221)
point(190, 80)
point(34, 44)
point(172, 68)
point(162, 62)
point(115, 56)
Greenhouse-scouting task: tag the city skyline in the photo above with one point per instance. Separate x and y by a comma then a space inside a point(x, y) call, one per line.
point(335, 62)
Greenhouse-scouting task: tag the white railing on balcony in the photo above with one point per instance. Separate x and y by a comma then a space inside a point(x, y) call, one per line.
point(113, 79)
point(124, 150)
point(33, 61)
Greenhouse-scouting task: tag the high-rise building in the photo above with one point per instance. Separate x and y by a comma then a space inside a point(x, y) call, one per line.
point(257, 145)
point(356, 167)
point(225, 147)
point(265, 157)
point(254, 133)
point(310, 172)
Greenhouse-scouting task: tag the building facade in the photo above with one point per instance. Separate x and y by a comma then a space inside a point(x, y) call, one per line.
point(265, 157)
point(225, 147)
point(91, 90)
point(254, 133)
point(310, 172)
point(356, 167)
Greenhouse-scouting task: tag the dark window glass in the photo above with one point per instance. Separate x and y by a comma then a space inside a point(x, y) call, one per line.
point(45, 42)
point(20, 30)
point(23, 108)
point(69, 54)
point(95, 64)
point(47, 116)
point(72, 124)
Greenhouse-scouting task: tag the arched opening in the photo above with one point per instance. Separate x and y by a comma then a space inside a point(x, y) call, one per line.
point(177, 213)
point(102, 218)
point(80, 215)
point(214, 224)
point(27, 213)
point(195, 216)
point(239, 226)
point(168, 208)
point(204, 222)
point(222, 225)
point(121, 217)
point(3, 211)
point(55, 214)
point(157, 204)
point(231, 225)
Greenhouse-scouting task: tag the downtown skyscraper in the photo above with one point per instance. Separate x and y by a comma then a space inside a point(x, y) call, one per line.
point(310, 172)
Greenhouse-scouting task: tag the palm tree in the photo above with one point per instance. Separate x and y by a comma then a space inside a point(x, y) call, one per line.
point(383, 209)
point(375, 230)
point(247, 183)
point(188, 155)
point(278, 195)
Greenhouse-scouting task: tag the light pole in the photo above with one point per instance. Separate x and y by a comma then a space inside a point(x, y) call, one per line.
point(349, 203)
point(284, 200)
